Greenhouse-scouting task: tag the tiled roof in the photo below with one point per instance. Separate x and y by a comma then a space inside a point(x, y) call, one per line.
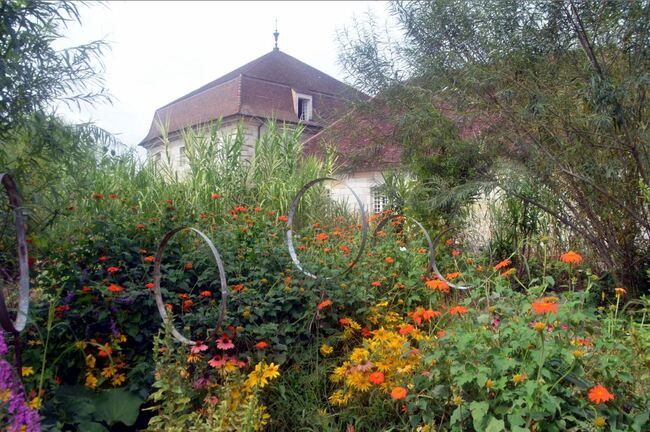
point(366, 138)
point(262, 88)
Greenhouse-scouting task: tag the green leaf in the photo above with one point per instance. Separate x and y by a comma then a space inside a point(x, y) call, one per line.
point(478, 410)
point(495, 425)
point(118, 406)
point(88, 426)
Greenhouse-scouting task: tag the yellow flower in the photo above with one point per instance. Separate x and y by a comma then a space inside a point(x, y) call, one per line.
point(600, 421)
point(90, 361)
point(118, 379)
point(194, 358)
point(271, 371)
point(519, 378)
point(359, 355)
point(108, 371)
point(457, 400)
point(326, 349)
point(358, 381)
point(80, 345)
point(4, 396)
point(35, 403)
point(91, 381)
point(578, 354)
point(489, 384)
point(27, 371)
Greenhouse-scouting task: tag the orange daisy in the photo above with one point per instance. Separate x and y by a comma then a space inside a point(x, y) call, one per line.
point(599, 394)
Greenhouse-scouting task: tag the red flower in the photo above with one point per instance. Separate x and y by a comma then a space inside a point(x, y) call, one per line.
point(113, 269)
point(149, 258)
point(450, 242)
point(139, 226)
point(113, 196)
point(261, 345)
point(389, 260)
point(188, 266)
point(441, 333)
point(102, 258)
point(456, 310)
point(325, 303)
point(149, 285)
point(345, 249)
point(187, 304)
point(206, 293)
point(215, 195)
point(376, 378)
point(97, 196)
point(168, 201)
point(376, 283)
point(600, 394)
point(322, 237)
point(365, 332)
point(86, 289)
point(270, 213)
point(283, 218)
point(455, 252)
point(115, 288)
point(238, 287)
point(344, 321)
point(398, 393)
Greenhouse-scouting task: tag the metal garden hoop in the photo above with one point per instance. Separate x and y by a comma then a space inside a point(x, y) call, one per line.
point(23, 302)
point(156, 281)
point(435, 266)
point(292, 212)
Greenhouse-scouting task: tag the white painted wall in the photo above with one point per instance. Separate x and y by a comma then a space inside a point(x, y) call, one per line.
point(362, 183)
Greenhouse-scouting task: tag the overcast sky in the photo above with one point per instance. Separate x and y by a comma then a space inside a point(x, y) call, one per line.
point(163, 50)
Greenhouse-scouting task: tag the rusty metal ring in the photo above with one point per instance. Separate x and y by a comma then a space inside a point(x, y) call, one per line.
point(292, 212)
point(435, 266)
point(156, 281)
point(23, 302)
point(384, 221)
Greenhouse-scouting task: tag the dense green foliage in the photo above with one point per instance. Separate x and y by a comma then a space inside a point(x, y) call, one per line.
point(557, 94)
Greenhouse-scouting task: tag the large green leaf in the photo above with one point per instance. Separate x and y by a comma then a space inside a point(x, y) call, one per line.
point(118, 406)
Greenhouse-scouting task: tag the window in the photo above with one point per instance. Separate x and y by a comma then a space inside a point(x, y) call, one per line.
point(182, 157)
point(379, 202)
point(303, 107)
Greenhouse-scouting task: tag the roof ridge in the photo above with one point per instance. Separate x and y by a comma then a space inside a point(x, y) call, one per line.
point(289, 86)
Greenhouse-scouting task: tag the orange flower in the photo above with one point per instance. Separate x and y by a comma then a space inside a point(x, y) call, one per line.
point(97, 196)
point(149, 285)
point(325, 303)
point(345, 249)
point(457, 310)
point(365, 332)
point(450, 242)
point(102, 258)
point(189, 266)
point(454, 275)
point(599, 394)
point(149, 258)
point(168, 201)
point(205, 293)
point(113, 196)
point(283, 218)
point(376, 283)
point(169, 307)
point(113, 269)
point(508, 272)
point(571, 257)
point(389, 260)
point(376, 378)
point(215, 195)
point(455, 252)
point(542, 307)
point(322, 237)
point(430, 313)
point(238, 287)
point(620, 291)
point(505, 263)
point(441, 333)
point(105, 350)
point(261, 345)
point(344, 321)
point(187, 304)
point(398, 393)
point(405, 329)
point(115, 288)
point(438, 285)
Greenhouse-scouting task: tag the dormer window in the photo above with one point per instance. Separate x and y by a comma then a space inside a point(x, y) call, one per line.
point(303, 107)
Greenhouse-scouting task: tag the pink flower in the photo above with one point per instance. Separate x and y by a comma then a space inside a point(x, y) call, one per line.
point(224, 343)
point(198, 347)
point(217, 361)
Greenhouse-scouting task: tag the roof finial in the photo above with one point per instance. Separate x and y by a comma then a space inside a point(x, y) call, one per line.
point(275, 35)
